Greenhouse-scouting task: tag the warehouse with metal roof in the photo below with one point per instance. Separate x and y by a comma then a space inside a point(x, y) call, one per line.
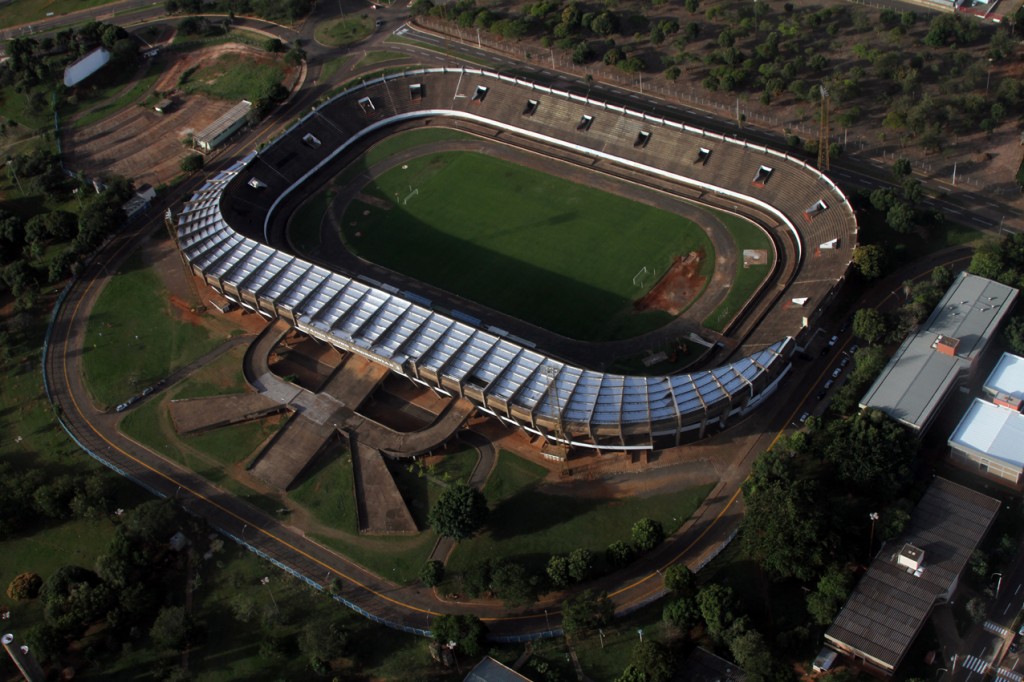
point(911, 574)
point(942, 353)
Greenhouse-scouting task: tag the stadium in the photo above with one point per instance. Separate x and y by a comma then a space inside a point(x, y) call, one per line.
point(231, 234)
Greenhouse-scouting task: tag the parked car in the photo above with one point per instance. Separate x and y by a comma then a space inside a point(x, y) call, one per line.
point(844, 362)
point(836, 372)
point(832, 342)
point(853, 349)
point(804, 416)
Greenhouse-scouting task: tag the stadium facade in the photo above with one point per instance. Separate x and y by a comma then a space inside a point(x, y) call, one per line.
point(225, 232)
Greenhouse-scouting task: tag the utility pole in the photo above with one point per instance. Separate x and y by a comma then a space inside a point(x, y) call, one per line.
point(823, 130)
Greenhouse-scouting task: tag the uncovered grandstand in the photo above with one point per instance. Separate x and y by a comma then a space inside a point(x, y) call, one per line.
point(226, 232)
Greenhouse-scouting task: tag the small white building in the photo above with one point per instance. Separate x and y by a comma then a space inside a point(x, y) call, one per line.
point(224, 127)
point(86, 66)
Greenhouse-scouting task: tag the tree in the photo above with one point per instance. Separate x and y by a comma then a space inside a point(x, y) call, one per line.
point(467, 631)
point(716, 603)
point(901, 168)
point(619, 554)
point(680, 579)
point(1014, 334)
point(632, 674)
point(432, 573)
point(871, 325)
point(832, 590)
point(783, 529)
point(459, 512)
point(647, 534)
point(651, 659)
point(870, 260)
point(192, 163)
point(510, 582)
point(24, 586)
point(870, 451)
point(977, 609)
point(580, 564)
point(321, 642)
point(174, 629)
point(751, 653)
point(683, 613)
point(558, 571)
point(587, 611)
point(900, 217)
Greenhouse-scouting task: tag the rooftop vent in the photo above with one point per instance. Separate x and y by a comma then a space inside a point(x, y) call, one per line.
point(703, 155)
point(416, 91)
point(311, 139)
point(585, 123)
point(1006, 400)
point(947, 345)
point(642, 138)
point(761, 176)
point(911, 557)
point(531, 107)
point(366, 104)
point(815, 209)
point(479, 94)
point(256, 183)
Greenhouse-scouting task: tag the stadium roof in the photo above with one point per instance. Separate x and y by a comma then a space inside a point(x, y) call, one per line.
point(86, 66)
point(991, 430)
point(228, 119)
point(891, 603)
point(1007, 377)
point(918, 377)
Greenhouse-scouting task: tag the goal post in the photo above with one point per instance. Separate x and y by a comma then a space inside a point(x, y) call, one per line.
point(643, 276)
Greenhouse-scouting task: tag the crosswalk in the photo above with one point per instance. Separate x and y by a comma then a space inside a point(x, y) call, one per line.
point(995, 629)
point(976, 664)
point(1007, 675)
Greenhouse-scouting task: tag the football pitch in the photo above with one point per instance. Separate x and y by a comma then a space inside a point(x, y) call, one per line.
point(546, 250)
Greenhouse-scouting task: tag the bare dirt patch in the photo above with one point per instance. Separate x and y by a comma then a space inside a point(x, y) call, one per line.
point(143, 145)
point(678, 287)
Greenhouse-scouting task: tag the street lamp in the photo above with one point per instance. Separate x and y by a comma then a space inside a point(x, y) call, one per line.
point(871, 538)
point(999, 583)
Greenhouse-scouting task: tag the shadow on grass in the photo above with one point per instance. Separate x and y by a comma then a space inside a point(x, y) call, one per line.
point(530, 512)
point(319, 463)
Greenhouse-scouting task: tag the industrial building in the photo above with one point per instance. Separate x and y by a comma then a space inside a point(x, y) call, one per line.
point(86, 66)
point(943, 353)
point(989, 436)
point(224, 127)
point(910, 575)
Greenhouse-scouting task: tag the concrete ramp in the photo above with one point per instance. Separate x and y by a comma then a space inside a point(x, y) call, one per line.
point(380, 505)
point(354, 381)
point(195, 415)
point(412, 443)
point(291, 451)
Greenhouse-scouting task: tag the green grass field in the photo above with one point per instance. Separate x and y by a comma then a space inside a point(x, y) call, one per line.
point(745, 235)
point(344, 30)
point(543, 249)
point(529, 525)
point(25, 11)
point(133, 338)
point(235, 77)
point(328, 491)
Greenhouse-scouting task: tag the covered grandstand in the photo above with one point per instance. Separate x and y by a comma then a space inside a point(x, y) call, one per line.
point(226, 234)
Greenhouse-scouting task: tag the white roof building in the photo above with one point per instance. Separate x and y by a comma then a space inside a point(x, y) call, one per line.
point(86, 66)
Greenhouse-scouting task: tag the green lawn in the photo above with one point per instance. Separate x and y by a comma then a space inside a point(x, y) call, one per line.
point(150, 424)
point(381, 56)
point(328, 491)
point(332, 66)
point(530, 525)
point(235, 77)
point(491, 231)
point(223, 376)
point(124, 97)
point(25, 11)
point(745, 235)
point(344, 30)
point(133, 338)
point(397, 558)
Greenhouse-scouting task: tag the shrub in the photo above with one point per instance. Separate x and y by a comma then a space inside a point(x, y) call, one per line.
point(24, 586)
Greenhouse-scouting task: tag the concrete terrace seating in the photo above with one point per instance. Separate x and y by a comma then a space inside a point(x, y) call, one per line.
point(222, 226)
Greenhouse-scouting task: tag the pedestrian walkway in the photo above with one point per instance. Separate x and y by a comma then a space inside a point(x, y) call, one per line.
point(995, 629)
point(1007, 675)
point(976, 664)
